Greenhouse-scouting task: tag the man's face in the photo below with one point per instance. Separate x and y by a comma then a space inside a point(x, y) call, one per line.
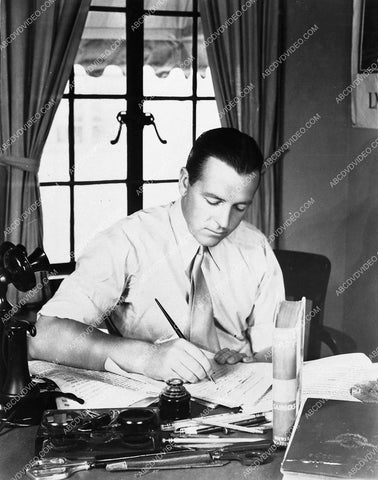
point(215, 205)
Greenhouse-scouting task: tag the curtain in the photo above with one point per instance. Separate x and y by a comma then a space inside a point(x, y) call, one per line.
point(243, 38)
point(38, 43)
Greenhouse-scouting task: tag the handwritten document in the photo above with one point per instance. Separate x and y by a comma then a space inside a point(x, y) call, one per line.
point(333, 377)
point(235, 385)
point(97, 389)
point(242, 384)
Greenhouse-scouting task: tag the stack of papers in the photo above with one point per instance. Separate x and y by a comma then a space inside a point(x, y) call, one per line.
point(242, 384)
point(246, 385)
point(238, 385)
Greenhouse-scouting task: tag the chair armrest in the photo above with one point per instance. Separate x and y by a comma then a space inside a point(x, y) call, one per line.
point(338, 342)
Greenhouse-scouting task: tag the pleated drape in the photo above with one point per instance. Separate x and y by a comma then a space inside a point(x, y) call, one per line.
point(242, 39)
point(38, 44)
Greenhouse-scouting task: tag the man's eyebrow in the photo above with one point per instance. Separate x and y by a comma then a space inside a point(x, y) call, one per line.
point(212, 195)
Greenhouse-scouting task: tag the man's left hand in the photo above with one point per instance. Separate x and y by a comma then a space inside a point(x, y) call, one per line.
point(232, 356)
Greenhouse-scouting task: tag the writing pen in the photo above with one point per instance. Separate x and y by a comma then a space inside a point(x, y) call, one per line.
point(213, 439)
point(176, 328)
point(257, 422)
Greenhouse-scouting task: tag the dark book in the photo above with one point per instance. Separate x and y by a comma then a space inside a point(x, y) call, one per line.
point(333, 439)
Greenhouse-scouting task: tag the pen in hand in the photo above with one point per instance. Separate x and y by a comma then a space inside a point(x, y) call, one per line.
point(176, 329)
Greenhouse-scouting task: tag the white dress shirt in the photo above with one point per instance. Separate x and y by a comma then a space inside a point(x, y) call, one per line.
point(146, 256)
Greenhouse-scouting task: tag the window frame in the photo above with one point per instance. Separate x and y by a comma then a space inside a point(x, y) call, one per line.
point(133, 96)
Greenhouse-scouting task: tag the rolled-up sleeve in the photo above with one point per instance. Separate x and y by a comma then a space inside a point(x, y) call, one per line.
point(270, 293)
point(92, 291)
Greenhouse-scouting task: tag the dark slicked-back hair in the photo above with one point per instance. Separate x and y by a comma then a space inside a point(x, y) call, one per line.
point(236, 149)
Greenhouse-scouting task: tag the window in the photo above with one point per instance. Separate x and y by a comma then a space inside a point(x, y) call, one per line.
point(86, 182)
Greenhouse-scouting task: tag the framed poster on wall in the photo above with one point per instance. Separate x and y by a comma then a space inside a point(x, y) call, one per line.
point(364, 66)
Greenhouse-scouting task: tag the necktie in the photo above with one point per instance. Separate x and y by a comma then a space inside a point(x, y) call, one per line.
point(202, 328)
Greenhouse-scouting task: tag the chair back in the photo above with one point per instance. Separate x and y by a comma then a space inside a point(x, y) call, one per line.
point(60, 272)
point(307, 275)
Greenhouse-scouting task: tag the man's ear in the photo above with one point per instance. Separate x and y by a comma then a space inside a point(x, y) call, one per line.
point(183, 181)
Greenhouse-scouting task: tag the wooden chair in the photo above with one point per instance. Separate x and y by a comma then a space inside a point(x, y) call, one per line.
point(307, 275)
point(61, 270)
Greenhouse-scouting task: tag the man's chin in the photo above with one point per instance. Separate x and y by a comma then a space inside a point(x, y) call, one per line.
point(210, 240)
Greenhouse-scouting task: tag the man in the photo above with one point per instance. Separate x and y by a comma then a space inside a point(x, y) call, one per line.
point(214, 273)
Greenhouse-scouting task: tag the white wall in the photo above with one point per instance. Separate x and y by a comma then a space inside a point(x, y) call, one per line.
point(343, 222)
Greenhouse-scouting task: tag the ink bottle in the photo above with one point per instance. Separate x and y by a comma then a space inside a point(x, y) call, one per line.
point(174, 401)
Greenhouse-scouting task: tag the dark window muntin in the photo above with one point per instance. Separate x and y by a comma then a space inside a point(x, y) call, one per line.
point(133, 84)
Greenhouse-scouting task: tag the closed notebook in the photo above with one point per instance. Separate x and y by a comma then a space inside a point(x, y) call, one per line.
point(333, 439)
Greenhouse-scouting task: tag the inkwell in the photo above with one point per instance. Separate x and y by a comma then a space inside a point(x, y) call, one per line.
point(174, 403)
point(22, 399)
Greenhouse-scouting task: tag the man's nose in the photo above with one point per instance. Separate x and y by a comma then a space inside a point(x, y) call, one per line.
point(223, 217)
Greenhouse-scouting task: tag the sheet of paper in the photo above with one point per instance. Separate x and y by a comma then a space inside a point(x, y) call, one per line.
point(235, 385)
point(263, 405)
point(97, 389)
point(329, 377)
point(357, 358)
point(140, 381)
point(333, 377)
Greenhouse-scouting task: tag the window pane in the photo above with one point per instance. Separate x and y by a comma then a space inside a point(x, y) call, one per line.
point(159, 194)
point(67, 88)
point(56, 223)
point(174, 123)
point(177, 5)
point(175, 84)
point(96, 208)
point(207, 116)
point(102, 51)
point(111, 81)
point(202, 63)
point(95, 126)
point(54, 161)
point(168, 45)
point(205, 87)
point(108, 3)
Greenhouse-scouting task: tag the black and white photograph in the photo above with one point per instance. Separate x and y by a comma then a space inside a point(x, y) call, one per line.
point(189, 250)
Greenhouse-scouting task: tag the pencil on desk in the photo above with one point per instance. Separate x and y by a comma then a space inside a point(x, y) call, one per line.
point(232, 426)
point(176, 328)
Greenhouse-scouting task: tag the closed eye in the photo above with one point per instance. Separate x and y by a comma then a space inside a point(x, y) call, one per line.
point(212, 201)
point(241, 208)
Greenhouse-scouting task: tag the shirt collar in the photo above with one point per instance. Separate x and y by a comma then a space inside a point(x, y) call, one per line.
point(187, 244)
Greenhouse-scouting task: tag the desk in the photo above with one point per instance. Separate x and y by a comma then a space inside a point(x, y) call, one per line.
point(17, 449)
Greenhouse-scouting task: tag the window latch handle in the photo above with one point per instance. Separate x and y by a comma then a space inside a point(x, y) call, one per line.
point(147, 119)
point(122, 119)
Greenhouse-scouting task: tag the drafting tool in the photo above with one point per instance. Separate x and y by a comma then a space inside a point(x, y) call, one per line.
point(60, 468)
point(197, 440)
point(226, 417)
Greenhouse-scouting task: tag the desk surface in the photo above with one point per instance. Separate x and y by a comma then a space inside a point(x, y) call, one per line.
point(17, 449)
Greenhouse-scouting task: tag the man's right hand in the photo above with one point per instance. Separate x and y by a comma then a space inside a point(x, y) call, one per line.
point(57, 341)
point(177, 359)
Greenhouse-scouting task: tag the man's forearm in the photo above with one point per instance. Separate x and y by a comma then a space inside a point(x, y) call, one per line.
point(78, 345)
